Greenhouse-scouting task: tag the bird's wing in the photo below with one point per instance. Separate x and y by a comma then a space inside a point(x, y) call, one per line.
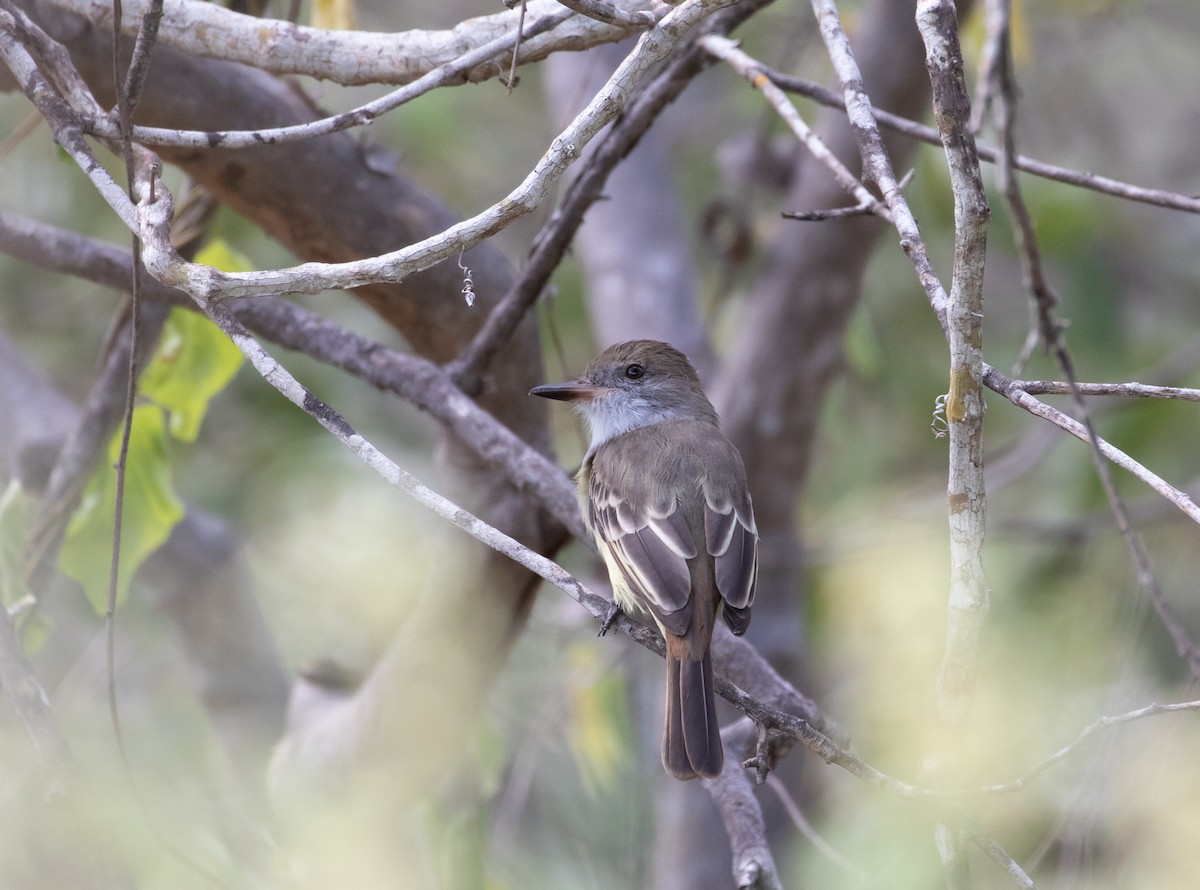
point(650, 544)
point(731, 536)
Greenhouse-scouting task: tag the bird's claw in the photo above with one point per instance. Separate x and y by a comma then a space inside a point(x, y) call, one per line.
point(610, 618)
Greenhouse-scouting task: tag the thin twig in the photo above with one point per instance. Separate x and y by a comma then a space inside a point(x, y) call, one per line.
point(361, 116)
point(55, 64)
point(512, 67)
point(1027, 778)
point(995, 27)
point(727, 51)
point(1000, 856)
point(1013, 391)
point(613, 15)
point(139, 64)
point(834, 213)
point(205, 283)
point(1045, 302)
point(1131, 389)
point(124, 125)
point(839, 212)
point(64, 124)
point(877, 166)
point(551, 243)
point(923, 133)
point(805, 828)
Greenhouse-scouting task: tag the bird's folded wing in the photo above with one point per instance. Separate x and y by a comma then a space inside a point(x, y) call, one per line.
point(731, 537)
point(650, 544)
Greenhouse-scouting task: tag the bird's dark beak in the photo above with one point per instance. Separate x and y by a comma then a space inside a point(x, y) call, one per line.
point(574, 391)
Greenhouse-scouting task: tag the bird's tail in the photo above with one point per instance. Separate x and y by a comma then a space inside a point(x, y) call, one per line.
point(692, 738)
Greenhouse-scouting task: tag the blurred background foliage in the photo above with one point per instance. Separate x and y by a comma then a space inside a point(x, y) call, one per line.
point(565, 759)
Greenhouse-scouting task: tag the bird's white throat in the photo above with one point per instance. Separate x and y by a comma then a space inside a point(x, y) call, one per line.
point(616, 413)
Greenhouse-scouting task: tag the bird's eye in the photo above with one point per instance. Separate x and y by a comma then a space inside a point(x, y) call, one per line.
point(635, 372)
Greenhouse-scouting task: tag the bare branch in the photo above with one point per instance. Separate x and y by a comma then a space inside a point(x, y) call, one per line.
point(966, 500)
point(1023, 781)
point(753, 865)
point(1083, 179)
point(1015, 393)
point(726, 50)
point(1131, 389)
point(833, 213)
point(206, 284)
point(139, 65)
point(877, 167)
point(614, 15)
point(62, 119)
point(1000, 857)
point(415, 379)
point(1045, 303)
point(362, 116)
point(551, 243)
point(349, 58)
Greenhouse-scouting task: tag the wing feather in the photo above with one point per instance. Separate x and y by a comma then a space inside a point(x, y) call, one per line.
point(651, 546)
point(645, 529)
point(731, 536)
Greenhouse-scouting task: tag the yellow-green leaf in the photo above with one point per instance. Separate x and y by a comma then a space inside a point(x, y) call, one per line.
point(218, 254)
point(194, 362)
point(151, 510)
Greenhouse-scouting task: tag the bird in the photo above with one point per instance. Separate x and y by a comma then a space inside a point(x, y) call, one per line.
point(664, 495)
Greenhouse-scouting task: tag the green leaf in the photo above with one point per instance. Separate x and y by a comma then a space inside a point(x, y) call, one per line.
point(194, 362)
point(218, 254)
point(151, 510)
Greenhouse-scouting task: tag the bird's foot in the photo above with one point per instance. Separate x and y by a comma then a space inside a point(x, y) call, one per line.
point(613, 611)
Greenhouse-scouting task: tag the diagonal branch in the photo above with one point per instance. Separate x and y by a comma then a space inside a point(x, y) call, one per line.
point(1081, 178)
point(1051, 330)
point(552, 242)
point(207, 284)
point(726, 50)
point(417, 380)
point(363, 115)
point(64, 123)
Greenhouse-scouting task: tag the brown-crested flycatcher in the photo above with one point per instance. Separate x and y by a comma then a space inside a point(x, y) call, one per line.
point(664, 494)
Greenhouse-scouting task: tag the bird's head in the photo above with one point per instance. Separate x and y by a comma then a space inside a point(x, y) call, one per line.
point(631, 385)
